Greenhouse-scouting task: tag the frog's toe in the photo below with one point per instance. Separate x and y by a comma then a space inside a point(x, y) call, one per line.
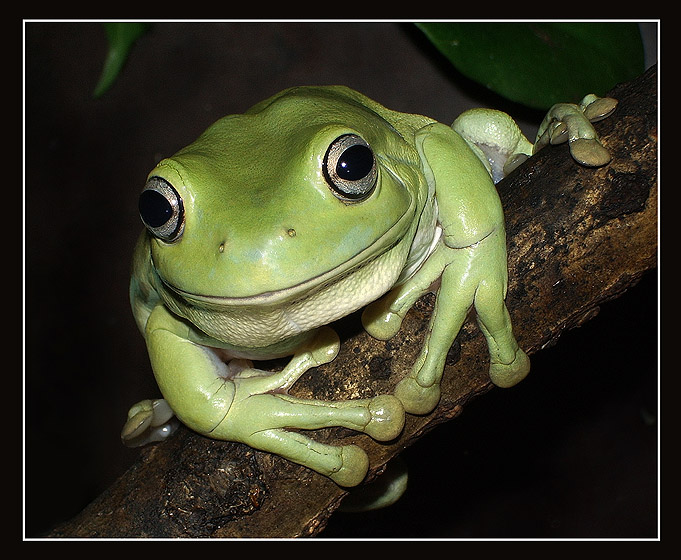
point(324, 346)
point(382, 492)
point(148, 421)
point(507, 375)
point(415, 398)
point(589, 152)
point(558, 133)
point(387, 418)
point(598, 108)
point(354, 467)
point(379, 323)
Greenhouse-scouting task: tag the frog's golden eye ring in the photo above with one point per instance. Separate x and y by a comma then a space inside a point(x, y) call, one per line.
point(350, 168)
point(161, 209)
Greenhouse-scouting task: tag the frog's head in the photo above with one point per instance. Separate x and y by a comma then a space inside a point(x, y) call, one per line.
point(304, 189)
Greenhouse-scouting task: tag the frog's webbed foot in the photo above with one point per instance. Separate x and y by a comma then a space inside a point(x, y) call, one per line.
point(572, 123)
point(148, 421)
point(469, 278)
point(267, 421)
point(237, 402)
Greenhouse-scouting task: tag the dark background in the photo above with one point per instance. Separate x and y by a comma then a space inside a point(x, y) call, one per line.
point(570, 452)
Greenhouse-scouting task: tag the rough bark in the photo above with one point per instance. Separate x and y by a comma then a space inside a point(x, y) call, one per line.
point(577, 238)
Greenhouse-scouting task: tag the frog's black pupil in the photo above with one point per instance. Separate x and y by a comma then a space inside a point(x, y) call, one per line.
point(154, 208)
point(355, 163)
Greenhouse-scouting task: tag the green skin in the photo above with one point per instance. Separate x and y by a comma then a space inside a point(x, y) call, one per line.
point(266, 253)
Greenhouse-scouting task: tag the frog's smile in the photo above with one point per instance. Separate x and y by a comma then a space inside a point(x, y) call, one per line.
point(382, 245)
point(278, 296)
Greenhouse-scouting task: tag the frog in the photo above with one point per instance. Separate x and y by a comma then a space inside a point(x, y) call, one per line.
point(314, 204)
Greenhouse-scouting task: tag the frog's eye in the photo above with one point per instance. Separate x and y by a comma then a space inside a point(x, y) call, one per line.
point(350, 168)
point(161, 209)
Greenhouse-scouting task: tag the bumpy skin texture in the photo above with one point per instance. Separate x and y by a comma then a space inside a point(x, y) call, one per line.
point(313, 204)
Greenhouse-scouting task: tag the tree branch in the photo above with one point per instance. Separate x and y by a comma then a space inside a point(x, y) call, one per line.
point(577, 238)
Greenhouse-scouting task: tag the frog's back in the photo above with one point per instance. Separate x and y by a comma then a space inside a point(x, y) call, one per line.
point(328, 97)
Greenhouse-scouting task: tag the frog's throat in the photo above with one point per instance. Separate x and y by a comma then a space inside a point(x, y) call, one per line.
point(398, 233)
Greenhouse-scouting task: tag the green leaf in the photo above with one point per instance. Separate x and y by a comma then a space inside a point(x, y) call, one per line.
point(121, 37)
point(541, 63)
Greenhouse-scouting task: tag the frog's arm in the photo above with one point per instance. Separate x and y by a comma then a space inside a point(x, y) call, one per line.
point(473, 257)
point(469, 261)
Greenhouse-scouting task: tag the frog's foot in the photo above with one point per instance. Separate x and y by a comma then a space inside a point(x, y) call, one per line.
point(507, 375)
point(589, 152)
point(416, 398)
point(279, 423)
point(513, 162)
point(381, 417)
point(148, 421)
point(572, 123)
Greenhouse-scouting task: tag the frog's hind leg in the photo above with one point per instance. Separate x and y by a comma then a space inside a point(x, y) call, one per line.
point(572, 123)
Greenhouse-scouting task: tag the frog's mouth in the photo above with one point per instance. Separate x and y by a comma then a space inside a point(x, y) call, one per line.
point(292, 293)
point(395, 236)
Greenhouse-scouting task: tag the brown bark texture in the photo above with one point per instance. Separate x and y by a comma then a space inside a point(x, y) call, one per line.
point(577, 237)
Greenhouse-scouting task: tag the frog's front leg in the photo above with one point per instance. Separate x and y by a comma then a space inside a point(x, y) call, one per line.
point(419, 391)
point(469, 277)
point(251, 406)
point(470, 263)
point(383, 318)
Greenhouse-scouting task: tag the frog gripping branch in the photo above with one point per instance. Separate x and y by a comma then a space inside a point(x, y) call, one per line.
point(228, 269)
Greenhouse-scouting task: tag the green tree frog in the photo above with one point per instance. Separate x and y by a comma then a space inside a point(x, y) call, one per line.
point(315, 203)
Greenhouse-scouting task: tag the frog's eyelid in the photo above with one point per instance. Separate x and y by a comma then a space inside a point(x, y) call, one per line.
point(162, 210)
